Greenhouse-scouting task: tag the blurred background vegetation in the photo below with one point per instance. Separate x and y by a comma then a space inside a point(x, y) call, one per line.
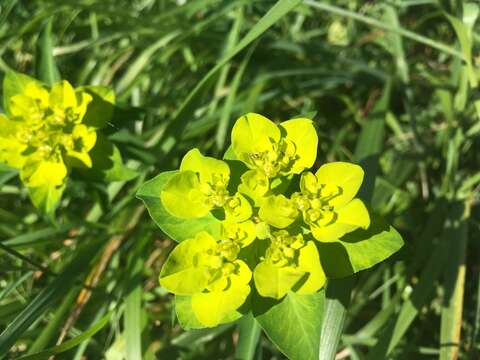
point(398, 79)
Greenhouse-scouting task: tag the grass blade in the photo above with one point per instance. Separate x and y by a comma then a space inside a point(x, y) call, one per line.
point(249, 335)
point(47, 297)
point(337, 299)
point(176, 126)
point(67, 345)
point(387, 27)
point(132, 315)
point(421, 294)
point(453, 299)
point(45, 67)
point(367, 152)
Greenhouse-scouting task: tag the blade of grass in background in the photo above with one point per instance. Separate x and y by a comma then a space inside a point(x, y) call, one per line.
point(54, 325)
point(337, 300)
point(454, 282)
point(376, 23)
point(226, 116)
point(367, 152)
point(47, 297)
point(424, 288)
point(249, 334)
point(133, 302)
point(176, 126)
point(45, 64)
point(70, 344)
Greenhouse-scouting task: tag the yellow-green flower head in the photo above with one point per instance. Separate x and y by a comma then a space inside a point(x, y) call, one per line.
point(211, 273)
point(276, 150)
point(200, 186)
point(290, 264)
point(44, 135)
point(327, 201)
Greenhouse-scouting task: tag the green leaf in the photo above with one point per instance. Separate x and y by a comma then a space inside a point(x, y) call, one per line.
point(176, 228)
point(360, 249)
point(46, 198)
point(293, 324)
point(101, 108)
point(55, 323)
point(107, 163)
point(46, 69)
point(6, 173)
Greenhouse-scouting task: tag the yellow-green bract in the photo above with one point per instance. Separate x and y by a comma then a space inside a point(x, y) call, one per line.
point(260, 227)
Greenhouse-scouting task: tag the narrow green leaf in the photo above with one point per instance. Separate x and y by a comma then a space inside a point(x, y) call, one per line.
point(46, 69)
point(249, 334)
point(178, 123)
point(225, 118)
point(143, 60)
point(388, 27)
point(67, 345)
point(422, 291)
point(133, 310)
point(454, 282)
point(337, 296)
point(47, 297)
point(367, 152)
point(55, 323)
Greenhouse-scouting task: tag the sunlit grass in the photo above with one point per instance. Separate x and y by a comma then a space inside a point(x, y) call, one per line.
point(385, 85)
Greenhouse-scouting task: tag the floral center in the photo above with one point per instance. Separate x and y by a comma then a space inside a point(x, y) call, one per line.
point(315, 205)
point(216, 190)
point(277, 160)
point(283, 248)
point(221, 264)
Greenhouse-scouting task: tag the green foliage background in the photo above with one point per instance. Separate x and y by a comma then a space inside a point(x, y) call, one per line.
point(396, 89)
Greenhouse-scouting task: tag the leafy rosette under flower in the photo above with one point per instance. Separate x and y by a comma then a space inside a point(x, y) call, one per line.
point(290, 264)
point(201, 186)
point(211, 273)
point(327, 201)
point(275, 150)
